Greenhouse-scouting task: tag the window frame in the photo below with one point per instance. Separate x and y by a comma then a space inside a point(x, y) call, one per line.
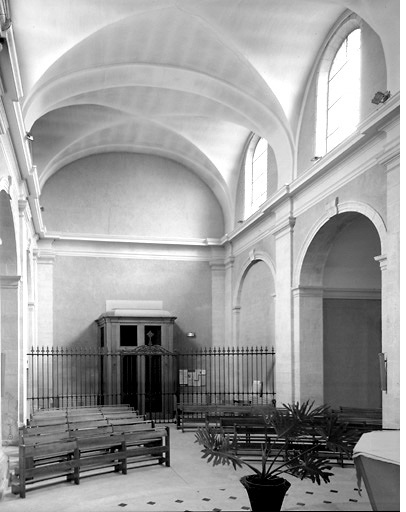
point(349, 25)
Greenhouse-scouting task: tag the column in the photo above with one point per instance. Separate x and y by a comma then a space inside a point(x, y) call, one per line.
point(45, 275)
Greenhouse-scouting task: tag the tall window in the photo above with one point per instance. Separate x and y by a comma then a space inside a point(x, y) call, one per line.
point(256, 177)
point(339, 91)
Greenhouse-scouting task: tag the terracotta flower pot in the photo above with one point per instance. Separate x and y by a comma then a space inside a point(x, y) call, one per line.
point(265, 494)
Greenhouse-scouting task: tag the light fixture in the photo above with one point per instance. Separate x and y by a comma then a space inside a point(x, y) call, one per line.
point(191, 334)
point(29, 136)
point(380, 97)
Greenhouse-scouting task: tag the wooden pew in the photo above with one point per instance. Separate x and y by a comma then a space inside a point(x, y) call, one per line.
point(97, 451)
point(147, 445)
point(45, 461)
point(250, 434)
point(48, 456)
point(195, 415)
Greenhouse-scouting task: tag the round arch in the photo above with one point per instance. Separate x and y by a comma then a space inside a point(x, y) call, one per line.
point(337, 307)
point(254, 258)
point(345, 207)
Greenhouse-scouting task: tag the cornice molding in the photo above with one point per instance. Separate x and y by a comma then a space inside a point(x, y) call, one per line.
point(129, 250)
point(14, 61)
point(351, 293)
point(319, 292)
point(120, 239)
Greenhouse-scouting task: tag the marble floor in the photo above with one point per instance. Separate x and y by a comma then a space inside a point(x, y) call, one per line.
point(190, 484)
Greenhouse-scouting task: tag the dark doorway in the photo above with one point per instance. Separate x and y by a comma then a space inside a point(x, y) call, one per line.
point(129, 380)
point(153, 371)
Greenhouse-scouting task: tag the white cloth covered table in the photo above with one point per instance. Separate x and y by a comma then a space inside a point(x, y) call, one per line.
point(377, 461)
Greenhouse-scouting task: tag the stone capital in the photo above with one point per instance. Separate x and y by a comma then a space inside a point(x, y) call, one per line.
point(382, 260)
point(9, 282)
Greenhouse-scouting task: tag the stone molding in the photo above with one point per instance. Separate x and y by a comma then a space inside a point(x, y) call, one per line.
point(335, 293)
point(10, 282)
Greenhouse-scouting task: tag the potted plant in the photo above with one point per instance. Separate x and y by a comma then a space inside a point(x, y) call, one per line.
point(297, 440)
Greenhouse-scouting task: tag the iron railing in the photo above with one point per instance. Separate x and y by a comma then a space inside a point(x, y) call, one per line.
point(150, 379)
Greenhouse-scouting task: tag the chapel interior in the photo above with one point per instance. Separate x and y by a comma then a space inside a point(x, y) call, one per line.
point(191, 175)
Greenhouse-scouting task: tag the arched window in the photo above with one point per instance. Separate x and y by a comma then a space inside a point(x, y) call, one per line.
point(256, 177)
point(339, 92)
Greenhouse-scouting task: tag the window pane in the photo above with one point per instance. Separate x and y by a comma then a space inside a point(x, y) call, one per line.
point(258, 179)
point(344, 91)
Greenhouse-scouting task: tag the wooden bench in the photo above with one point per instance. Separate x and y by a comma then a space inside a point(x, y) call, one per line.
point(47, 460)
point(68, 454)
point(195, 415)
point(250, 434)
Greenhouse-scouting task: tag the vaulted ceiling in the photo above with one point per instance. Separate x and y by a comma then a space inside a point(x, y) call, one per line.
point(185, 79)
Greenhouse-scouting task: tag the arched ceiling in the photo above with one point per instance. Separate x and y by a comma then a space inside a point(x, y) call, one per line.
point(185, 79)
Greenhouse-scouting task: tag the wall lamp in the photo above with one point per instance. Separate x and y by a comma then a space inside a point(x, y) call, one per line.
point(380, 97)
point(191, 334)
point(29, 136)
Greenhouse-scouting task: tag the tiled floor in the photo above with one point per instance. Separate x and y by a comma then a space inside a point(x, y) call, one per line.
point(190, 484)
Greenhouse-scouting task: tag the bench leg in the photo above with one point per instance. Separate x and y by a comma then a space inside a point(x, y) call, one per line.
point(22, 471)
point(76, 470)
point(167, 444)
point(124, 460)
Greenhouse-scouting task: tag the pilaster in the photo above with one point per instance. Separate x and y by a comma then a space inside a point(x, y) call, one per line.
point(45, 275)
point(10, 336)
point(390, 267)
point(218, 301)
point(229, 339)
point(285, 356)
point(308, 343)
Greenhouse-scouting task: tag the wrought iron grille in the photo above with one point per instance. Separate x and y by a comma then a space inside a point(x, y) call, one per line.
point(151, 379)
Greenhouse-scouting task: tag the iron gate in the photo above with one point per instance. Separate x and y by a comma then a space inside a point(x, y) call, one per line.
point(149, 378)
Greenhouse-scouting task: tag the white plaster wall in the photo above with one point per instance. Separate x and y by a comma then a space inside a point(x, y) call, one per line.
point(83, 284)
point(132, 195)
point(257, 313)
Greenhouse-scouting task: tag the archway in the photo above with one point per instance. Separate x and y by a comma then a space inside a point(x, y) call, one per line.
point(339, 306)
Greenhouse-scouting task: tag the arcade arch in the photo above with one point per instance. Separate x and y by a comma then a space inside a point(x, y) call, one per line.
point(338, 309)
point(254, 302)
